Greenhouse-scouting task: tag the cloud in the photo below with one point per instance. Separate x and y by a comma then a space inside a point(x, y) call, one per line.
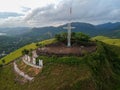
point(13, 22)
point(25, 9)
point(9, 14)
point(90, 11)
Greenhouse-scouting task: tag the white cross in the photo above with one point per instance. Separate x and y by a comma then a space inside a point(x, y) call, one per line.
point(69, 28)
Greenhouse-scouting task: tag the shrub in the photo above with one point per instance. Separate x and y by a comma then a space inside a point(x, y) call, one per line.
point(81, 37)
point(76, 37)
point(61, 36)
point(1, 65)
point(3, 61)
point(25, 51)
point(37, 44)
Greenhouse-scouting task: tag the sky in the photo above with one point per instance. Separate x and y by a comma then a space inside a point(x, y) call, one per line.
point(40, 13)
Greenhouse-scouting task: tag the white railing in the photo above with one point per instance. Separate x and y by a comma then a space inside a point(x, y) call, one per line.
point(32, 65)
point(17, 70)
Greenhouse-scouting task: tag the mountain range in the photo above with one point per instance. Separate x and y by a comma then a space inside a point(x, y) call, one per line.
point(14, 38)
point(106, 29)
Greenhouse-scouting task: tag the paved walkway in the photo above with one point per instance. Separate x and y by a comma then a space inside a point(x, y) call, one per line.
point(17, 70)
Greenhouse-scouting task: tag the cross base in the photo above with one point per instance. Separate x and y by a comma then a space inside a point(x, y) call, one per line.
point(69, 28)
point(69, 45)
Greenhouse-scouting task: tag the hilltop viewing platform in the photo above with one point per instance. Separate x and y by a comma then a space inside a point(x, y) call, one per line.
point(60, 49)
point(80, 45)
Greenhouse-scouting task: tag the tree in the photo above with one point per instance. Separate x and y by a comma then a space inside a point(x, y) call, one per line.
point(3, 61)
point(76, 37)
point(1, 65)
point(25, 51)
point(81, 37)
point(57, 36)
point(37, 44)
point(61, 37)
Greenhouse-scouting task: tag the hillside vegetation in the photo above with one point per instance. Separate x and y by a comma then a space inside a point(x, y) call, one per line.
point(96, 71)
point(107, 40)
point(18, 53)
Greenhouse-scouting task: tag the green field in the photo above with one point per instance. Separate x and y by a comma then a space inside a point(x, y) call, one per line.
point(107, 40)
point(18, 53)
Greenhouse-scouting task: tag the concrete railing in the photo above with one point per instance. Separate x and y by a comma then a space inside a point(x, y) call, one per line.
point(17, 70)
point(32, 65)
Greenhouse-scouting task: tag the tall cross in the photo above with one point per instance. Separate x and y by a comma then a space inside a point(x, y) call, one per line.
point(69, 28)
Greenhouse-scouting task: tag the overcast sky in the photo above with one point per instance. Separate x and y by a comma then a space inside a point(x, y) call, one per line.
point(39, 13)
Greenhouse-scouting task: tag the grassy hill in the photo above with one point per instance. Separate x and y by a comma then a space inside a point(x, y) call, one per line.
point(107, 40)
point(96, 71)
point(18, 53)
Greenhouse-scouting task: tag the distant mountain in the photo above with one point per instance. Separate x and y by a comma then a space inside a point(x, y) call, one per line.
point(107, 29)
point(110, 26)
point(20, 36)
point(14, 31)
point(110, 29)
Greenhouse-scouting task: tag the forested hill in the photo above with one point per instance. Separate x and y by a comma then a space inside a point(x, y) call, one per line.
point(107, 29)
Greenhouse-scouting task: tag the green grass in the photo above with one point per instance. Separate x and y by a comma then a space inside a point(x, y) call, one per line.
point(46, 42)
point(107, 40)
point(54, 76)
point(18, 53)
point(100, 37)
point(96, 71)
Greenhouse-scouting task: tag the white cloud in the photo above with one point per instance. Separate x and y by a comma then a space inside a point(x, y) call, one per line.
point(25, 9)
point(55, 12)
point(13, 22)
point(92, 11)
point(16, 5)
point(9, 14)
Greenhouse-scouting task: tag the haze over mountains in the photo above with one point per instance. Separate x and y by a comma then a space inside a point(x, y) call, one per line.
point(107, 29)
point(14, 31)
